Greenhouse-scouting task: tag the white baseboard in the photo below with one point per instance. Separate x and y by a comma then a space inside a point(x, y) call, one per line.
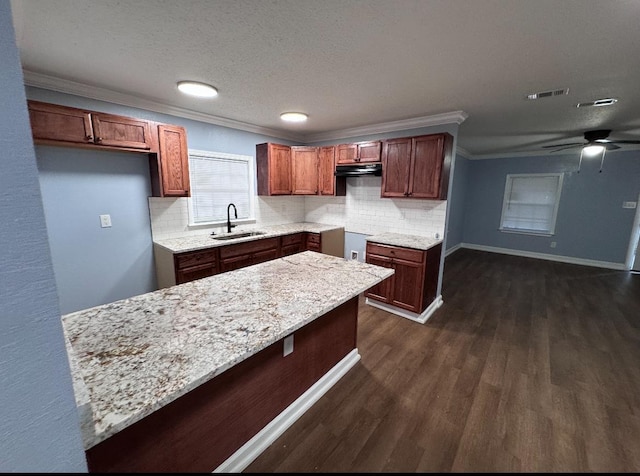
point(421, 318)
point(550, 257)
point(243, 457)
point(453, 249)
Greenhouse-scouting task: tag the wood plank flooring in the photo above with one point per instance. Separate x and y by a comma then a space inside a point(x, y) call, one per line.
point(529, 366)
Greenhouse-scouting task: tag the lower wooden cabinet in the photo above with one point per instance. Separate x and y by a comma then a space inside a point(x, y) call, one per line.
point(248, 253)
point(314, 242)
point(414, 284)
point(195, 265)
point(292, 244)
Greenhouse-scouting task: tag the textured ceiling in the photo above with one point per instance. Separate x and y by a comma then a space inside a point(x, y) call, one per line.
point(356, 63)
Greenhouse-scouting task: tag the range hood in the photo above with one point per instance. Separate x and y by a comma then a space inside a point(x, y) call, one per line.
point(358, 170)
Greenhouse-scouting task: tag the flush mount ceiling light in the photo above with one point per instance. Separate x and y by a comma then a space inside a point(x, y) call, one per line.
point(591, 150)
point(293, 116)
point(200, 90)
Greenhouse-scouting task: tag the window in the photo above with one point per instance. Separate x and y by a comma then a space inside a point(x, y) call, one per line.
point(218, 179)
point(531, 203)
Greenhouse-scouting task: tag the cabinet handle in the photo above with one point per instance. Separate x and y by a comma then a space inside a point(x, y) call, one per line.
point(89, 138)
point(98, 139)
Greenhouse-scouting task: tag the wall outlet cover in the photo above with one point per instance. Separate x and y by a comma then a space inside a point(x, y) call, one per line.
point(354, 254)
point(105, 221)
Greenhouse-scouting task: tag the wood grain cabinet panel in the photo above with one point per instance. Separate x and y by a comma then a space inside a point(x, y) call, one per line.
point(358, 152)
point(120, 131)
point(413, 286)
point(50, 122)
point(292, 244)
point(329, 183)
point(174, 161)
point(416, 167)
point(304, 170)
point(193, 265)
point(273, 169)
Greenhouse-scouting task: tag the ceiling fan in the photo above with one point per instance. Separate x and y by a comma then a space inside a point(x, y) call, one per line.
point(593, 138)
point(596, 142)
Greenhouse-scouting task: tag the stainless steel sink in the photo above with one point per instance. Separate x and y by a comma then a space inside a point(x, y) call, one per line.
point(233, 236)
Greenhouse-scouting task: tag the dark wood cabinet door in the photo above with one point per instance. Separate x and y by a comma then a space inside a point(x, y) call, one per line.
point(326, 168)
point(174, 161)
point(237, 262)
point(304, 170)
point(407, 285)
point(50, 122)
point(426, 166)
point(291, 249)
point(262, 256)
point(273, 169)
point(195, 272)
point(120, 131)
point(381, 291)
point(346, 154)
point(396, 167)
point(369, 151)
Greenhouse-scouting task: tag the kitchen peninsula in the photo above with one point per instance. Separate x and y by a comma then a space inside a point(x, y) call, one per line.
point(190, 377)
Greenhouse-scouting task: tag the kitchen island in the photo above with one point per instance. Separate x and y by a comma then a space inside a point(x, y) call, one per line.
point(187, 377)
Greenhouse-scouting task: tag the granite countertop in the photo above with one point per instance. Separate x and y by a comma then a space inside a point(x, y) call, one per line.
point(199, 242)
point(133, 356)
point(407, 241)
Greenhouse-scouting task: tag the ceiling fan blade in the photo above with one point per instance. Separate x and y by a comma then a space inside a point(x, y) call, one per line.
point(571, 144)
point(625, 142)
point(612, 146)
point(566, 146)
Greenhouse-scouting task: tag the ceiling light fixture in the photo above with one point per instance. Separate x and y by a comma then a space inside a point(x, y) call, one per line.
point(200, 90)
point(293, 116)
point(591, 150)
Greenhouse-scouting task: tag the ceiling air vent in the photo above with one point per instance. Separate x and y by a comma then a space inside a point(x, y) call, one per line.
point(547, 94)
point(598, 102)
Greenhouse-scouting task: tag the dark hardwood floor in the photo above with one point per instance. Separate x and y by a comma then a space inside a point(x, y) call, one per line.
point(529, 366)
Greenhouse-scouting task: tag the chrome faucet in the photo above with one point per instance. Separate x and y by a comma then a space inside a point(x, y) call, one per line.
point(229, 225)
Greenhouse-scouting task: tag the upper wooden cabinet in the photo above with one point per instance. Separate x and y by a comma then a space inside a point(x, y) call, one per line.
point(416, 167)
point(51, 122)
point(358, 152)
point(273, 163)
point(166, 145)
point(304, 170)
point(174, 161)
point(329, 184)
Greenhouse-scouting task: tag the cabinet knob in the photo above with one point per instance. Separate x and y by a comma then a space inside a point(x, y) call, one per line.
point(89, 138)
point(98, 139)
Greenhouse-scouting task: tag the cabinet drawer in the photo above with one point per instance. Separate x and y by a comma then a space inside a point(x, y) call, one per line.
point(248, 248)
point(194, 258)
point(313, 238)
point(291, 239)
point(408, 254)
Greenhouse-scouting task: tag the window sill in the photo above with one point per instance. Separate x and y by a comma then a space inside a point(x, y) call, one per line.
point(525, 232)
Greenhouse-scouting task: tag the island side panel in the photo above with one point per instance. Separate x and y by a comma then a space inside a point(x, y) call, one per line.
point(200, 430)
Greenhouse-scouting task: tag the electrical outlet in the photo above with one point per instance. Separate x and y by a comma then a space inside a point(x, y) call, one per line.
point(629, 204)
point(105, 221)
point(354, 254)
point(553, 244)
point(288, 345)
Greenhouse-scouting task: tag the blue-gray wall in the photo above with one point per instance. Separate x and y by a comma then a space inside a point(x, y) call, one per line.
point(457, 199)
point(591, 222)
point(95, 265)
point(39, 427)
point(355, 242)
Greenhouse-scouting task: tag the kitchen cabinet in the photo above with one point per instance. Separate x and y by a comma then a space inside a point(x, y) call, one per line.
point(173, 161)
point(329, 184)
point(248, 253)
point(314, 242)
point(55, 123)
point(358, 152)
point(273, 163)
point(292, 244)
point(195, 265)
point(304, 170)
point(413, 286)
point(416, 167)
point(165, 144)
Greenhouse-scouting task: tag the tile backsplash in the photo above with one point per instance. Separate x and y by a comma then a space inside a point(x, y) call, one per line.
point(360, 211)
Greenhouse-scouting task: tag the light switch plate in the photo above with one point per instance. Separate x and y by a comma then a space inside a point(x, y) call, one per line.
point(629, 204)
point(105, 221)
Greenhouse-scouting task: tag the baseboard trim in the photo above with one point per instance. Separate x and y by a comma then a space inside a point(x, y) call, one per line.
point(243, 457)
point(546, 256)
point(421, 318)
point(453, 249)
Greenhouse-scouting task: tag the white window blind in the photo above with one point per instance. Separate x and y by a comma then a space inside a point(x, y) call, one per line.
point(218, 179)
point(531, 203)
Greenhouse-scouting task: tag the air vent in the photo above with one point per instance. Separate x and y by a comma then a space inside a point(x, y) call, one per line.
point(598, 102)
point(547, 94)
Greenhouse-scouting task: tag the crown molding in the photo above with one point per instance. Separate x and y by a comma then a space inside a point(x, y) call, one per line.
point(463, 152)
point(66, 86)
point(454, 117)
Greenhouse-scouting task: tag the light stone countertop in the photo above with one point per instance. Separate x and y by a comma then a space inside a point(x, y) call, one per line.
point(133, 356)
point(199, 242)
point(407, 241)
